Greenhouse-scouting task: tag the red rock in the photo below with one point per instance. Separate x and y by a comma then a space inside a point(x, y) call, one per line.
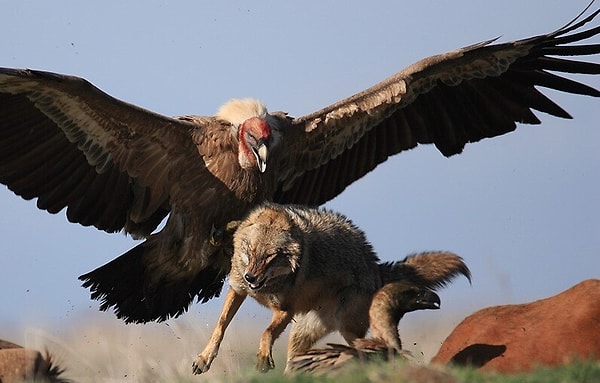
point(514, 338)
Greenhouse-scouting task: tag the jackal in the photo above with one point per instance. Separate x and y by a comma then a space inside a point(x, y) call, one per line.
point(316, 267)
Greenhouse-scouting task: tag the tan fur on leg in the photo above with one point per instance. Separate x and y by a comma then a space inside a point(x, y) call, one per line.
point(233, 301)
point(278, 324)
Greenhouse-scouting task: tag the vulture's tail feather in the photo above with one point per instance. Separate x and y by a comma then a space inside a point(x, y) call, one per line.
point(134, 286)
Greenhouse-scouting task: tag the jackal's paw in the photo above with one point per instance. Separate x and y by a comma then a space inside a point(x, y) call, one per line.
point(201, 364)
point(265, 363)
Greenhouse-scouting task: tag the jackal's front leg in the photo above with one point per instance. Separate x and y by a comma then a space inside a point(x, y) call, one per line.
point(278, 324)
point(233, 300)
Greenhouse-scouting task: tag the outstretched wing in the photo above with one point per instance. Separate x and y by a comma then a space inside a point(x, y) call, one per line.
point(68, 144)
point(447, 100)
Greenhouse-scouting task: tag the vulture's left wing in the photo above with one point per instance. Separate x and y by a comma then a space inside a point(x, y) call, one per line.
point(447, 100)
point(70, 145)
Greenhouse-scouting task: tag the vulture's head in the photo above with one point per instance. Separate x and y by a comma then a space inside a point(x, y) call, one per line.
point(254, 131)
point(398, 298)
point(391, 302)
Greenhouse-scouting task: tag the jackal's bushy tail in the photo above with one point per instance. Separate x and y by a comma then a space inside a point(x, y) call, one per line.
point(431, 270)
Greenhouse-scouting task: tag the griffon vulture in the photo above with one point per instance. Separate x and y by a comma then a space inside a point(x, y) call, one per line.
point(389, 305)
point(119, 167)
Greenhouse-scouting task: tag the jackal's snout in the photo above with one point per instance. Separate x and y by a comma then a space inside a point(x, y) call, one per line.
point(253, 281)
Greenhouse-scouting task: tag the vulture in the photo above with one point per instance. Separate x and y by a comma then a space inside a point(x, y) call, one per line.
point(388, 306)
point(177, 183)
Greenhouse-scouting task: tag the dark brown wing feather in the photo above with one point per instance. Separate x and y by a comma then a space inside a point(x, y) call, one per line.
point(447, 100)
point(118, 167)
point(336, 357)
point(70, 145)
point(323, 361)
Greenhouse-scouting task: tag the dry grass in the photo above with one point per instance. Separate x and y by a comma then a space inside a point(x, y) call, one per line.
point(107, 350)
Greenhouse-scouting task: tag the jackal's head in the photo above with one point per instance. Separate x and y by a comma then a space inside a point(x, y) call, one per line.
point(266, 250)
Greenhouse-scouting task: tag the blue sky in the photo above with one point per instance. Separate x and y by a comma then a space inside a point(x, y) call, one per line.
point(522, 209)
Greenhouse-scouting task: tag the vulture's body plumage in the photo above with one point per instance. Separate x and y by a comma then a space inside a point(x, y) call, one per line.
point(119, 167)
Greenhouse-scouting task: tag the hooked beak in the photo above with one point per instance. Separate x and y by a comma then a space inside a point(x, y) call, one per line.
point(427, 299)
point(260, 151)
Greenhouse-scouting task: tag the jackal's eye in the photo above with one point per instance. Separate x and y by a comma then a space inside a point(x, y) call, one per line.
point(273, 255)
point(244, 257)
point(243, 250)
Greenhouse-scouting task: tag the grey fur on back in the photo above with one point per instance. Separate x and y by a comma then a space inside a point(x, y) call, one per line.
point(334, 244)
